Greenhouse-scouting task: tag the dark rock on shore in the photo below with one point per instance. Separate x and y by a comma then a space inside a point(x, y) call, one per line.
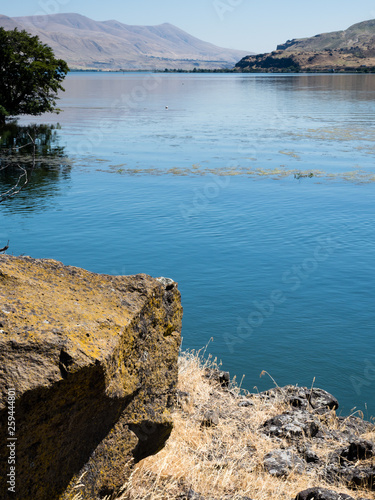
point(192, 495)
point(354, 476)
point(311, 421)
point(308, 425)
point(220, 376)
point(282, 462)
point(304, 398)
point(321, 494)
point(308, 454)
point(293, 425)
point(358, 449)
point(211, 419)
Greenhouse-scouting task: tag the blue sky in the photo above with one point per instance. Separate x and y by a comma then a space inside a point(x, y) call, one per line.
point(239, 24)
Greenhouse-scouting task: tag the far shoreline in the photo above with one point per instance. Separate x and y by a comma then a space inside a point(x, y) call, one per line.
point(359, 71)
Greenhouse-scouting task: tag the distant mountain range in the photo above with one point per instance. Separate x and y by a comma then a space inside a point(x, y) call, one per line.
point(352, 49)
point(108, 45)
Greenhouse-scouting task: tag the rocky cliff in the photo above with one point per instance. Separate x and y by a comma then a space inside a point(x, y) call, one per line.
point(352, 49)
point(88, 369)
point(360, 36)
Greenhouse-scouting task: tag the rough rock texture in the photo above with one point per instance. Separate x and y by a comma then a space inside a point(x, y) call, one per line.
point(354, 476)
point(304, 398)
point(321, 494)
point(192, 495)
point(210, 419)
point(351, 464)
point(93, 362)
point(219, 376)
point(309, 422)
point(292, 425)
point(282, 462)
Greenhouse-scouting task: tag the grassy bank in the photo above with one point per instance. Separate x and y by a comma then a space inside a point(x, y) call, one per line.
point(226, 460)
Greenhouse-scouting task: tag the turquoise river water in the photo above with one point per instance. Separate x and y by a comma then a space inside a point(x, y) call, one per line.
point(254, 192)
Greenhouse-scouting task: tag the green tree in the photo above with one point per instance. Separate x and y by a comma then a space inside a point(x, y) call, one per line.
point(30, 75)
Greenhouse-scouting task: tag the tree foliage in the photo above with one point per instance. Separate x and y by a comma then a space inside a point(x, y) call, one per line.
point(30, 75)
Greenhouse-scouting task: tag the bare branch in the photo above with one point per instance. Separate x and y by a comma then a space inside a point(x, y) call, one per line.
point(17, 187)
point(23, 179)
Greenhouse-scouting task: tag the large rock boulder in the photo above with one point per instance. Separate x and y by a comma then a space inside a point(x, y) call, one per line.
point(92, 362)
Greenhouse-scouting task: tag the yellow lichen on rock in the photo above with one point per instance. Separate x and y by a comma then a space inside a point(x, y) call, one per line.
point(93, 361)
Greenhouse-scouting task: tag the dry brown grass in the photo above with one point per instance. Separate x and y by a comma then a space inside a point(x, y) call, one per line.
point(224, 461)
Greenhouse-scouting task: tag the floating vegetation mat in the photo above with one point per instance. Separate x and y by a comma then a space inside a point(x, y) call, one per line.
point(363, 136)
point(354, 133)
point(356, 176)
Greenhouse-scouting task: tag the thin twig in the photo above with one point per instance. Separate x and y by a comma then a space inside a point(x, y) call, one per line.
point(24, 178)
point(17, 187)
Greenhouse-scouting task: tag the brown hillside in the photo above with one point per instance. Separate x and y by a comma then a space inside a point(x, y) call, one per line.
point(348, 50)
point(88, 44)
